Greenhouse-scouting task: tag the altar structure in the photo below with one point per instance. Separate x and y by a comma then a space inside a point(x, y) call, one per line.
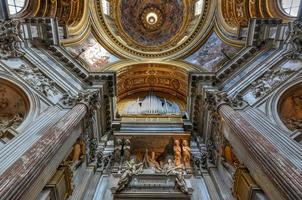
point(150, 100)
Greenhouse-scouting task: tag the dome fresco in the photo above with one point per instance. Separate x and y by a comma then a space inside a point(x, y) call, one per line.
point(151, 22)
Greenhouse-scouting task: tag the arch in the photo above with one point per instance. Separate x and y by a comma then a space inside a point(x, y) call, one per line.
point(276, 100)
point(33, 103)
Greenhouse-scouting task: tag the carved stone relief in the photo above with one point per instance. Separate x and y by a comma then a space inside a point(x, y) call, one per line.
point(295, 38)
point(38, 80)
point(270, 80)
point(10, 39)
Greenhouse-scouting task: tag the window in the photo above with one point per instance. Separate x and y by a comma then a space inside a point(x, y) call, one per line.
point(15, 6)
point(290, 7)
point(198, 7)
point(106, 7)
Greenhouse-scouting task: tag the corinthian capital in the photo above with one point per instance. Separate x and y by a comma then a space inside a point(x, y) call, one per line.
point(91, 98)
point(217, 98)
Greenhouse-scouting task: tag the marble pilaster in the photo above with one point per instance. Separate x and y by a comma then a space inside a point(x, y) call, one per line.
point(283, 172)
point(4, 12)
point(17, 179)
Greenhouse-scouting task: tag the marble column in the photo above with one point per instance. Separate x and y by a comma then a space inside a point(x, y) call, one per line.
point(4, 12)
point(283, 171)
point(20, 176)
point(299, 16)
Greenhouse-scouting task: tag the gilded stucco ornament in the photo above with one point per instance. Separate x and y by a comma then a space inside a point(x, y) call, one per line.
point(10, 39)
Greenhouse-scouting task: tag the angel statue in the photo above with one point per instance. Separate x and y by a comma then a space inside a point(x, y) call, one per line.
point(131, 169)
point(180, 182)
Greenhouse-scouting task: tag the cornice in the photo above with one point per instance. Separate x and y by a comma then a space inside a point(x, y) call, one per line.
point(178, 63)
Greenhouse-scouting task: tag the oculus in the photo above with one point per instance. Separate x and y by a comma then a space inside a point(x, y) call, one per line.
point(152, 19)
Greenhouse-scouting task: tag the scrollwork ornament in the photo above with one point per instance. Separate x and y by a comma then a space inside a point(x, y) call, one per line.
point(10, 39)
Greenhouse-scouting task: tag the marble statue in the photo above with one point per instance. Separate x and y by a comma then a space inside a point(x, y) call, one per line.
point(131, 169)
point(127, 153)
point(151, 161)
point(77, 151)
point(186, 153)
point(118, 150)
point(180, 182)
point(177, 153)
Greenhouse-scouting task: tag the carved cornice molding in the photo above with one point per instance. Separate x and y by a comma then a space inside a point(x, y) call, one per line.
point(10, 39)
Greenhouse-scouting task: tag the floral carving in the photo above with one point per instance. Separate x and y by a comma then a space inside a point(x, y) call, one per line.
point(38, 80)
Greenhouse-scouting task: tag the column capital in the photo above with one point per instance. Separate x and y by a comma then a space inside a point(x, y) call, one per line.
point(215, 99)
point(91, 98)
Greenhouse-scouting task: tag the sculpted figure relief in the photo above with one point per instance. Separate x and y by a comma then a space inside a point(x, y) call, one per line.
point(151, 161)
point(118, 150)
point(180, 182)
point(130, 170)
point(127, 153)
point(177, 153)
point(186, 153)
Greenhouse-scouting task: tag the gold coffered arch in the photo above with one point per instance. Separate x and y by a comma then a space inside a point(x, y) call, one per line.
point(143, 77)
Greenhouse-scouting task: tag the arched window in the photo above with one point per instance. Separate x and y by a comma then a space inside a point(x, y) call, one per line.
point(290, 7)
point(15, 6)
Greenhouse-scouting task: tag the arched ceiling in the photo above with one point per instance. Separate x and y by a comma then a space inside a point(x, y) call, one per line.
point(153, 29)
point(163, 78)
